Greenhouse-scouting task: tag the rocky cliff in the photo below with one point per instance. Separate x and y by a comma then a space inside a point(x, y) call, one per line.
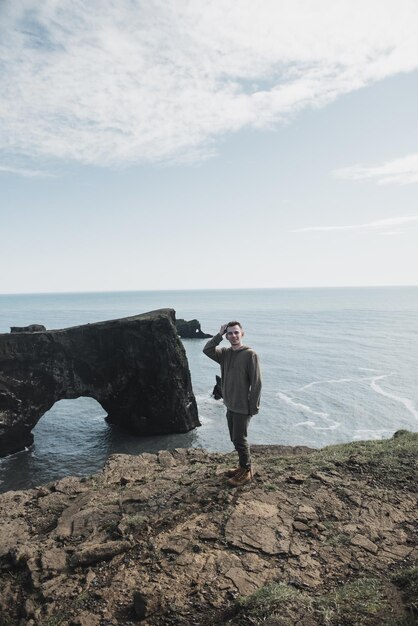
point(136, 368)
point(319, 538)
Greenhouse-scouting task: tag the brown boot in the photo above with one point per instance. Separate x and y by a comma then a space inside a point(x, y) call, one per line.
point(241, 478)
point(231, 472)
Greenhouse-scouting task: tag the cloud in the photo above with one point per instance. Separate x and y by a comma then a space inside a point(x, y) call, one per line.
point(402, 171)
point(27, 173)
point(126, 81)
point(377, 225)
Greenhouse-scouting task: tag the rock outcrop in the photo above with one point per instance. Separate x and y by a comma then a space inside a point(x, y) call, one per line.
point(161, 538)
point(32, 328)
point(136, 368)
point(217, 390)
point(190, 329)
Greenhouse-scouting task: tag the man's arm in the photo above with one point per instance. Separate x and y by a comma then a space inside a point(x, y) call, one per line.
point(210, 348)
point(255, 385)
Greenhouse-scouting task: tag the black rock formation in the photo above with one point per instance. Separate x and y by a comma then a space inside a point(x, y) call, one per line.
point(190, 330)
point(136, 368)
point(32, 328)
point(217, 390)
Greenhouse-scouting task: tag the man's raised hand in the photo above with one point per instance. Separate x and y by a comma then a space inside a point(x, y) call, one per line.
point(223, 328)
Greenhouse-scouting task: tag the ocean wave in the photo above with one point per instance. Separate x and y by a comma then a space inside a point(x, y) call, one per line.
point(204, 398)
point(298, 405)
point(304, 408)
point(408, 404)
point(209, 408)
point(205, 419)
point(332, 382)
point(333, 424)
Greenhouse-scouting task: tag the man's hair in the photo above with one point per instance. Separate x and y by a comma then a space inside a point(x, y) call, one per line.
point(235, 323)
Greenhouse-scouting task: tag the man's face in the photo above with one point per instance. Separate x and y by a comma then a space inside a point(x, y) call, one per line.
point(234, 334)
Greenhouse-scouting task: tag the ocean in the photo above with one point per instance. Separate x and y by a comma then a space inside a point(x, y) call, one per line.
point(338, 364)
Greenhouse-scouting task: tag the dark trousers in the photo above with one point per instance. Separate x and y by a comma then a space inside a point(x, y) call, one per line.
point(237, 425)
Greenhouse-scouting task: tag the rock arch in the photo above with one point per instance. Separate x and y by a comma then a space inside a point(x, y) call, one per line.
point(135, 367)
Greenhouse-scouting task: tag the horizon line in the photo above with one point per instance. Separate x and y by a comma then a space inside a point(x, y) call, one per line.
point(120, 291)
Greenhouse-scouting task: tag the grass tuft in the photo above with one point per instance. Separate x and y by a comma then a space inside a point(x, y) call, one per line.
point(362, 602)
point(276, 601)
point(407, 581)
point(135, 521)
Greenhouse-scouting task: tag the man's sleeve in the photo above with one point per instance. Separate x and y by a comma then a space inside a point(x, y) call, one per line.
point(255, 385)
point(211, 350)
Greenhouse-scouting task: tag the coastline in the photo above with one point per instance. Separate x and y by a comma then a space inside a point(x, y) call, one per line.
point(351, 343)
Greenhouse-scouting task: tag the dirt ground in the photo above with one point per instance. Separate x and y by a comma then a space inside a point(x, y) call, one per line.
point(318, 537)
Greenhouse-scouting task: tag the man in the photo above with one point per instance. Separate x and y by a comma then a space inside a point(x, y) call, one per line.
point(241, 389)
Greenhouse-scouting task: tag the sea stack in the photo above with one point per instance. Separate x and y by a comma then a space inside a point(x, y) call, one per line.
point(135, 367)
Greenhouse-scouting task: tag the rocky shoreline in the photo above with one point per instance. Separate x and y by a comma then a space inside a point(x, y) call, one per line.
point(160, 539)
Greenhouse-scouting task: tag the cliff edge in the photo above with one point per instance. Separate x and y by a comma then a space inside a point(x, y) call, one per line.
point(320, 537)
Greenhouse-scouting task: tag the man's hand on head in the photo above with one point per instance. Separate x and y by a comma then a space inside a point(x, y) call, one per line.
point(223, 328)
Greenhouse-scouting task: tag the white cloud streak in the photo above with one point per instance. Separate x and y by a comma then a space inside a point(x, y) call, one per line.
point(126, 81)
point(401, 171)
point(26, 173)
point(377, 225)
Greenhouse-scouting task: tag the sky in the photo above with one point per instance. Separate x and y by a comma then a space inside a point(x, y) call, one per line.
point(177, 144)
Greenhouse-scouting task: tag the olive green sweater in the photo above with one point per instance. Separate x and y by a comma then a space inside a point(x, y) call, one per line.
point(240, 374)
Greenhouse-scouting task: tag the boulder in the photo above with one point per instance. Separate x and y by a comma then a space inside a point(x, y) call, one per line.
point(135, 367)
